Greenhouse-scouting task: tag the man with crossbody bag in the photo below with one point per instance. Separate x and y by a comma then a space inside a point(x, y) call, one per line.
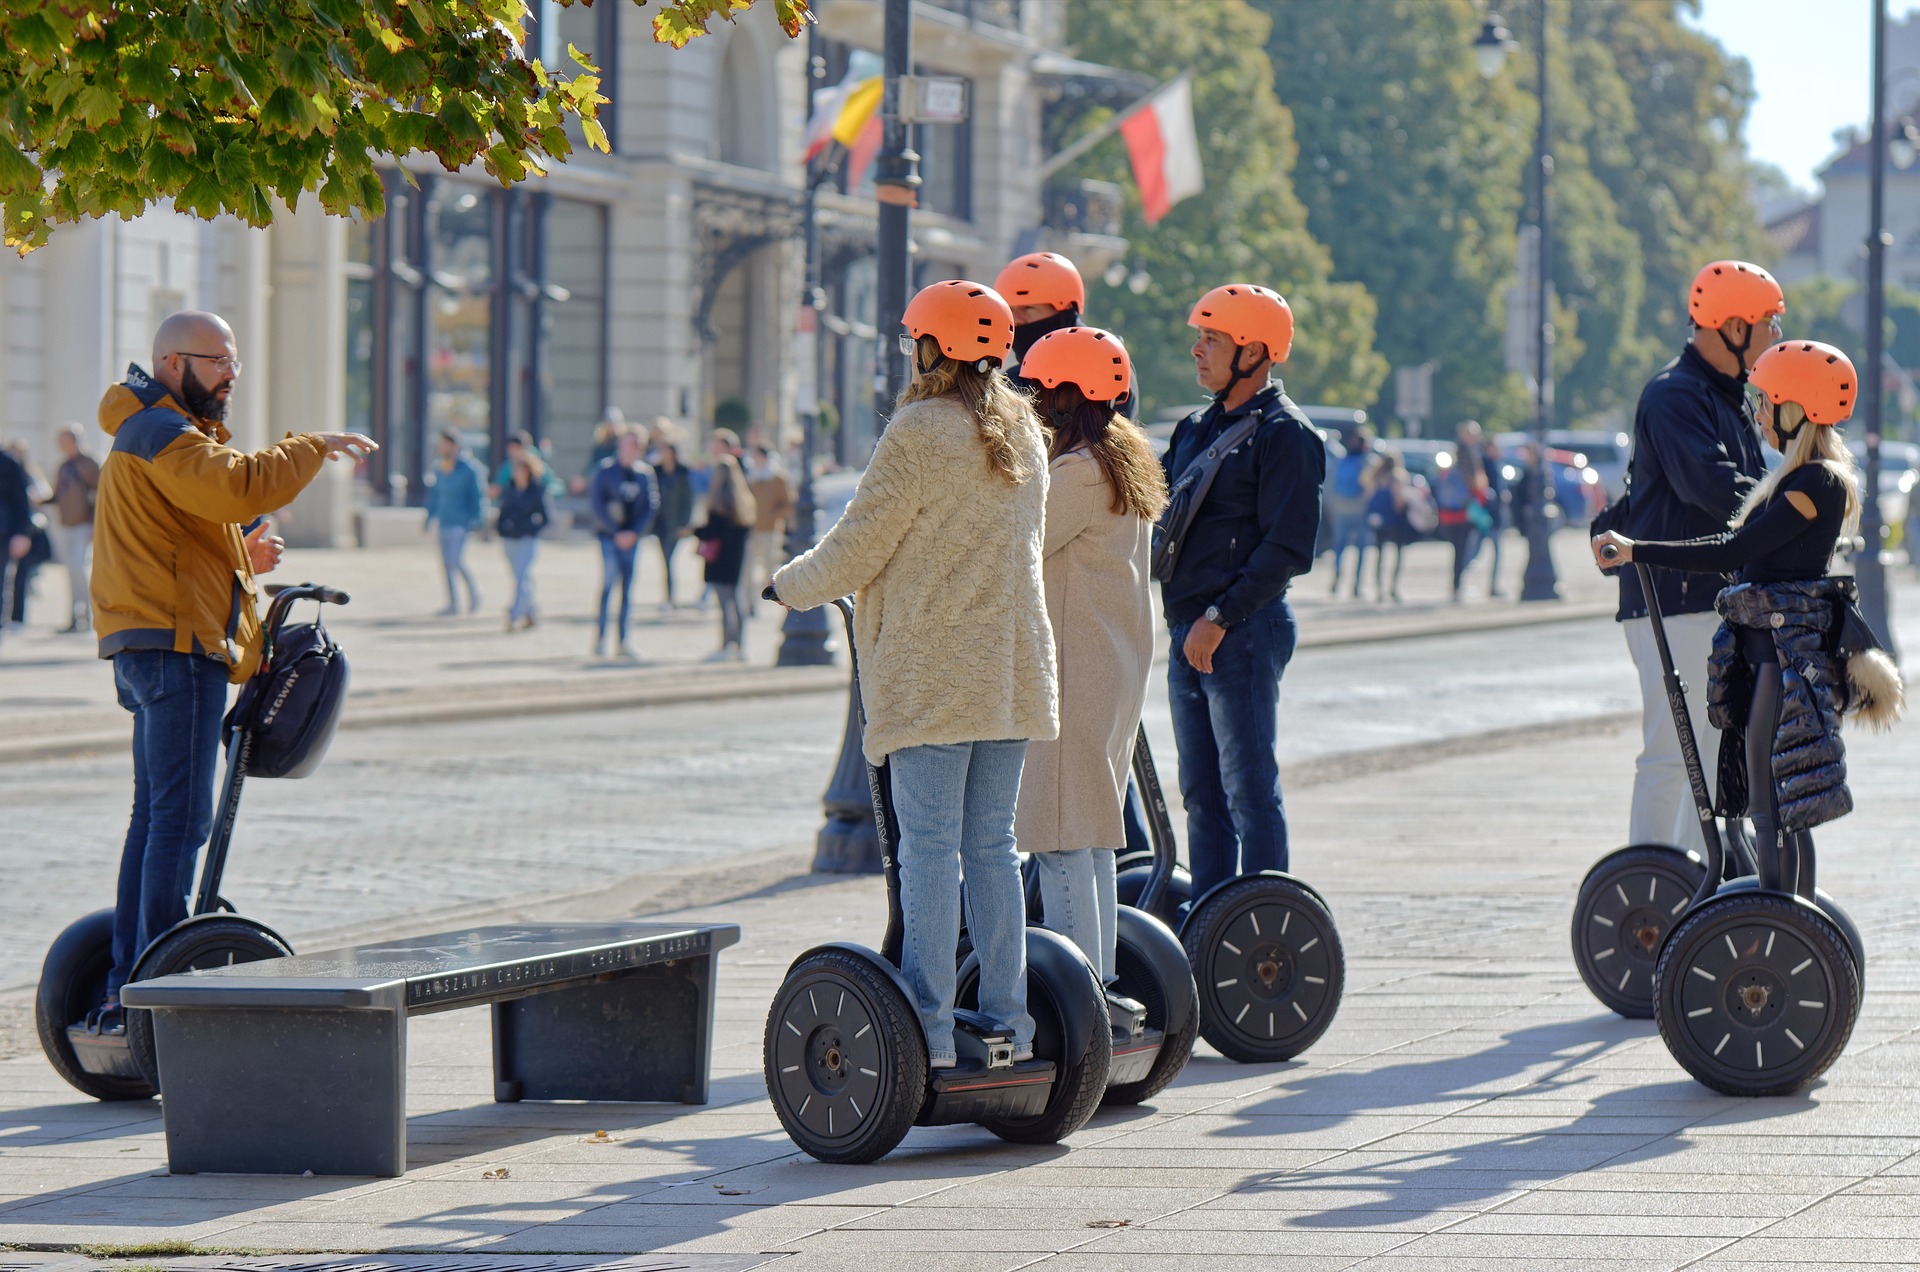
point(1245, 477)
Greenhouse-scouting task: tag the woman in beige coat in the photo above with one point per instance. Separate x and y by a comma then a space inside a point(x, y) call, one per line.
point(941, 544)
point(1104, 492)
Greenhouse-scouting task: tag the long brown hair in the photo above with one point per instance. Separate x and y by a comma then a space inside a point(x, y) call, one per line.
point(996, 406)
point(731, 498)
point(1117, 444)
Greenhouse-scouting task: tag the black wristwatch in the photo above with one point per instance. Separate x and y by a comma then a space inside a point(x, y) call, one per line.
point(1213, 616)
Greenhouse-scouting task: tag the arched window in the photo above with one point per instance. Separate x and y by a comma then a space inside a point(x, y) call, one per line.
point(743, 117)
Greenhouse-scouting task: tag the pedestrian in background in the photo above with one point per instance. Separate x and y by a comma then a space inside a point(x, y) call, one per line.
point(623, 499)
point(1347, 505)
point(723, 543)
point(1105, 489)
point(1460, 495)
point(523, 515)
point(1398, 503)
point(773, 500)
point(39, 544)
point(16, 526)
point(673, 516)
point(75, 487)
point(606, 438)
point(456, 501)
point(1499, 507)
point(1696, 456)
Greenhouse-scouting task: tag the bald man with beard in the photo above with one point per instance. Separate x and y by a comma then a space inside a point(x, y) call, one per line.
point(179, 534)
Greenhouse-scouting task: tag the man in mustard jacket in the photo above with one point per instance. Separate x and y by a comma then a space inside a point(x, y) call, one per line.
point(180, 532)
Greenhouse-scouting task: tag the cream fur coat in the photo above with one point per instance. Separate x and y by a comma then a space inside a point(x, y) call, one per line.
point(1096, 572)
point(943, 560)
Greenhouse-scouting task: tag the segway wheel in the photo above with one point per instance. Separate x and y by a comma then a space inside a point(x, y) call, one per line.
point(1268, 965)
point(846, 1067)
point(1626, 906)
point(1756, 993)
point(195, 946)
point(1833, 910)
point(1080, 1080)
point(73, 981)
point(1151, 967)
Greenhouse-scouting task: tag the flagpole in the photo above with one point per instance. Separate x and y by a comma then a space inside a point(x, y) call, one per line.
point(1080, 147)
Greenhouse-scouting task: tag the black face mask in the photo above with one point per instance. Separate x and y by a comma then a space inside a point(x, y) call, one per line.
point(1026, 334)
point(200, 399)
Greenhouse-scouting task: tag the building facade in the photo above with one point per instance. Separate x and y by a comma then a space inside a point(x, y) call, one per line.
point(663, 279)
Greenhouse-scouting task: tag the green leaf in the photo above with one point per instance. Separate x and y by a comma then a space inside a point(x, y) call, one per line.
point(596, 135)
point(460, 123)
point(97, 105)
point(166, 171)
point(585, 62)
point(18, 174)
point(302, 68)
point(288, 110)
point(34, 36)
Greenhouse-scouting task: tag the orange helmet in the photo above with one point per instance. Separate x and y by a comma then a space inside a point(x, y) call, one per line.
point(1247, 313)
point(1817, 376)
point(1042, 278)
point(1734, 289)
point(968, 319)
point(1092, 360)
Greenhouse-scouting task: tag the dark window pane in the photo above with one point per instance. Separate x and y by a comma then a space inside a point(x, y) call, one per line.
point(459, 356)
point(574, 328)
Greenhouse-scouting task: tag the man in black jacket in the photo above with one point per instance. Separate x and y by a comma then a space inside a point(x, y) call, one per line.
point(1225, 599)
point(1696, 453)
point(16, 526)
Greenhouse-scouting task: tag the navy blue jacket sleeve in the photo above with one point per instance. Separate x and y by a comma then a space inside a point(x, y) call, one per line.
point(16, 509)
point(1292, 465)
point(599, 492)
point(1690, 454)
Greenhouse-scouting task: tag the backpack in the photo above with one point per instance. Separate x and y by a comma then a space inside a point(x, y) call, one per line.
point(288, 711)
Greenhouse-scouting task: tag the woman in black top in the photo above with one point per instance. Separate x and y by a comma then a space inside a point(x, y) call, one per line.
point(1775, 647)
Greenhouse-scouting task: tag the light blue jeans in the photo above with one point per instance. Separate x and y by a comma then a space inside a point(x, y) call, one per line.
point(955, 805)
point(453, 559)
point(520, 554)
point(1079, 901)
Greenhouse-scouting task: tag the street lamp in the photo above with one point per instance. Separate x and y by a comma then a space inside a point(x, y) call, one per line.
point(1869, 573)
point(1490, 51)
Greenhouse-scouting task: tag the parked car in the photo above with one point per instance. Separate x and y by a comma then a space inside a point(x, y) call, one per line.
point(1899, 473)
point(1605, 453)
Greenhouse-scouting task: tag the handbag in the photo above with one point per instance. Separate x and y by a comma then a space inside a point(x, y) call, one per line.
point(1188, 494)
point(709, 550)
point(290, 708)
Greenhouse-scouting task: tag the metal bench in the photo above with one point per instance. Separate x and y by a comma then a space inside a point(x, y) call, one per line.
point(299, 1064)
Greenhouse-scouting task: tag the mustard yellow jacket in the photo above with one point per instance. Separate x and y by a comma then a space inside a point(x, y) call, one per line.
point(170, 568)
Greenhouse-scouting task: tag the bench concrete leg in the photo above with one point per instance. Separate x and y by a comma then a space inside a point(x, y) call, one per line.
point(641, 1035)
point(281, 1091)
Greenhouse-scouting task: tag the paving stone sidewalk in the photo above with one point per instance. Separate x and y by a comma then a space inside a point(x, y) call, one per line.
point(410, 665)
point(1472, 1106)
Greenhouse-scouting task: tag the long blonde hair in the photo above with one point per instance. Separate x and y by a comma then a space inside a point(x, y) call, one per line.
point(1813, 444)
point(998, 409)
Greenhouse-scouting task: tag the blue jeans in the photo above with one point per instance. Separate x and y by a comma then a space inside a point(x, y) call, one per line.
point(520, 554)
point(453, 559)
point(1226, 724)
point(177, 701)
point(1078, 901)
point(616, 567)
point(955, 805)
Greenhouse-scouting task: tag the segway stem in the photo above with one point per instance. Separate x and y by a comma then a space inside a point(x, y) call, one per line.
point(880, 787)
point(1159, 826)
point(1689, 746)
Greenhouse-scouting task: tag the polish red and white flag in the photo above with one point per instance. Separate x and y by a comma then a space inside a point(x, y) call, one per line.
point(1164, 148)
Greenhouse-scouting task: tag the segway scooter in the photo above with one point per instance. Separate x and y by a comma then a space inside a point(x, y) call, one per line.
point(117, 1063)
point(1755, 991)
point(1264, 952)
point(845, 1053)
point(1633, 897)
point(1153, 1003)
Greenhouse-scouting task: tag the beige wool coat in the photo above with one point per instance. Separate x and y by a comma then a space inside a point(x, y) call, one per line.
point(1073, 790)
point(943, 560)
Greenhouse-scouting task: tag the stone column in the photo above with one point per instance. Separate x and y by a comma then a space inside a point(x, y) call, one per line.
point(307, 348)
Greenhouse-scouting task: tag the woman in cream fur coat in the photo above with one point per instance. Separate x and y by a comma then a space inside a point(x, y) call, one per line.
point(1104, 492)
point(941, 548)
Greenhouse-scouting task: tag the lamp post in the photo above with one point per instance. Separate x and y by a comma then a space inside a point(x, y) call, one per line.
point(1868, 572)
point(804, 634)
point(1491, 50)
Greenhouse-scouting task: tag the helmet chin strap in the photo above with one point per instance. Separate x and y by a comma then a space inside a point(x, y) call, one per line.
point(1238, 375)
point(1739, 351)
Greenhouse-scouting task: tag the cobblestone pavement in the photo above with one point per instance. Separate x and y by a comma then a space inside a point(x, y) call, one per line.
point(1471, 1106)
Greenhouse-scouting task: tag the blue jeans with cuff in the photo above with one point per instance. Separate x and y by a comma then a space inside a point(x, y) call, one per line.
point(1226, 725)
point(1078, 900)
point(955, 804)
point(177, 701)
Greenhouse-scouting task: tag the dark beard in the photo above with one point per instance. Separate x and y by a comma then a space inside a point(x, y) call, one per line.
point(200, 399)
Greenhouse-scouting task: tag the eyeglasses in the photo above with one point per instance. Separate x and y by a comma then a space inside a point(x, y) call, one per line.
point(908, 345)
point(220, 361)
point(1758, 403)
point(1773, 325)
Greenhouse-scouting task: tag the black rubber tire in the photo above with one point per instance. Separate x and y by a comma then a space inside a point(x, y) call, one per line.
point(1833, 910)
point(1135, 978)
point(194, 946)
point(1292, 963)
point(1728, 969)
point(1131, 882)
point(1625, 908)
point(1080, 1080)
point(841, 1040)
point(73, 981)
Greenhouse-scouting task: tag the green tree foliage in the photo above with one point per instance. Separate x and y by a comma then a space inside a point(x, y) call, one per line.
point(1413, 169)
point(224, 106)
point(1247, 226)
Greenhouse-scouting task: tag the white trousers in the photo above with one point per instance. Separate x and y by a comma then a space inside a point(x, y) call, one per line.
point(1663, 808)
